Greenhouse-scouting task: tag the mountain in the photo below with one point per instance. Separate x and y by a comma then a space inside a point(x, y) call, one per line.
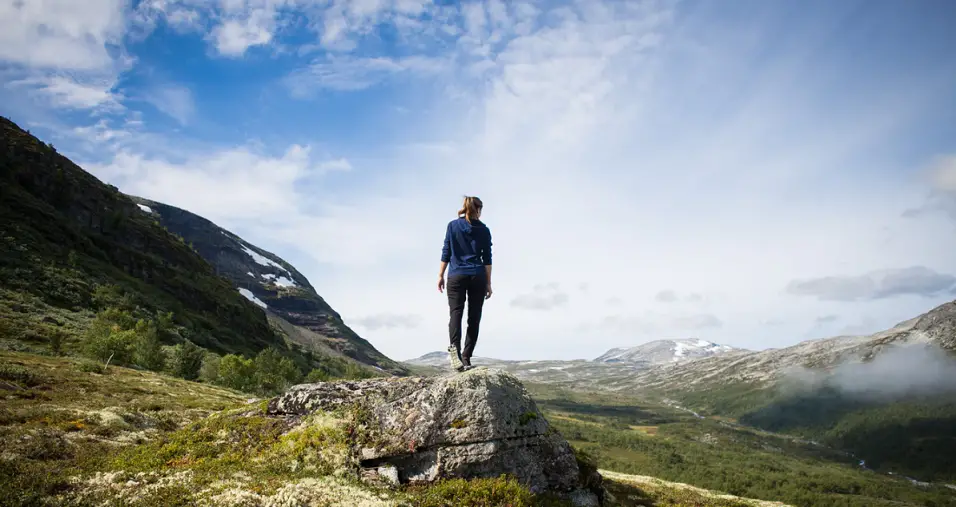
point(271, 283)
point(440, 359)
point(72, 246)
point(888, 398)
point(665, 351)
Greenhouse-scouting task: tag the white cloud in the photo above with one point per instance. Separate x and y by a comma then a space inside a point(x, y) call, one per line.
point(619, 143)
point(60, 34)
point(349, 73)
point(339, 164)
point(944, 173)
point(174, 100)
point(66, 92)
point(542, 297)
point(234, 36)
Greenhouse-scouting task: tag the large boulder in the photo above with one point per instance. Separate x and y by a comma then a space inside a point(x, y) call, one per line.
point(479, 423)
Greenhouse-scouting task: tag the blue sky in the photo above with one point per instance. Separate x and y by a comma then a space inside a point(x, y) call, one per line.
point(754, 173)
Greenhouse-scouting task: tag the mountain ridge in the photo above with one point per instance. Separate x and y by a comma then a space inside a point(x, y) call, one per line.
point(271, 283)
point(666, 351)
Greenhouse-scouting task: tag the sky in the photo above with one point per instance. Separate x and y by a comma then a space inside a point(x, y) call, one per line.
point(754, 173)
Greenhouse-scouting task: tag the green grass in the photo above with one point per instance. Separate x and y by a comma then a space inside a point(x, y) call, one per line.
point(719, 456)
point(914, 436)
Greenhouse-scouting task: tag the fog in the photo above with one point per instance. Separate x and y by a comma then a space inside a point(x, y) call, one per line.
point(896, 371)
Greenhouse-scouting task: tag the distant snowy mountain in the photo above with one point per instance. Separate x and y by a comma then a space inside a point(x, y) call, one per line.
point(665, 351)
point(440, 359)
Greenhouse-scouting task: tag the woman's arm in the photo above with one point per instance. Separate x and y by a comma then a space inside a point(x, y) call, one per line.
point(487, 261)
point(445, 257)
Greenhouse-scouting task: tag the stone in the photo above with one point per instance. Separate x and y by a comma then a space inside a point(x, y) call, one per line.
point(479, 423)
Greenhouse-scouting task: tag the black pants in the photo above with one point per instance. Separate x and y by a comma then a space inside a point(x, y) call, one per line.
point(462, 287)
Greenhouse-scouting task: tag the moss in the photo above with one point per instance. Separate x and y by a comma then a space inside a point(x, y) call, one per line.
point(319, 444)
point(503, 491)
point(526, 418)
point(459, 424)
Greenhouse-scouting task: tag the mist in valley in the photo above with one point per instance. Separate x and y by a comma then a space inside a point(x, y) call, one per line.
point(893, 373)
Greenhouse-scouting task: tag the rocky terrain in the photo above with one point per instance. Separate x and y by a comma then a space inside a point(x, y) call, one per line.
point(481, 423)
point(272, 284)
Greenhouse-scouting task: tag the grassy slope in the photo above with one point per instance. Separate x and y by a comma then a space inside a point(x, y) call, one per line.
point(915, 435)
point(63, 233)
point(130, 437)
point(628, 435)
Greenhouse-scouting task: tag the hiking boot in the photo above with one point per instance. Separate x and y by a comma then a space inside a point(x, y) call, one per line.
point(455, 358)
point(467, 362)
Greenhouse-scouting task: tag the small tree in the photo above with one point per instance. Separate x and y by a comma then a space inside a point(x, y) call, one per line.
point(210, 368)
point(274, 373)
point(56, 338)
point(115, 346)
point(187, 360)
point(317, 375)
point(237, 372)
point(148, 351)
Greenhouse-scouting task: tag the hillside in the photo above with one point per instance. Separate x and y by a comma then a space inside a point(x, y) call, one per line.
point(138, 438)
point(271, 283)
point(72, 246)
point(889, 398)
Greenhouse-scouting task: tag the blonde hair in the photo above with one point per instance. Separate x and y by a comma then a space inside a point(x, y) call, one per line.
point(470, 208)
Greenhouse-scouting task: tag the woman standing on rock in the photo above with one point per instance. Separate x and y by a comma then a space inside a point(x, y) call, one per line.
point(468, 249)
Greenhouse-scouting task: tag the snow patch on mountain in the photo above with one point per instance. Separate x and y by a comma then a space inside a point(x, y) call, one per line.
point(251, 297)
point(665, 351)
point(262, 260)
point(145, 208)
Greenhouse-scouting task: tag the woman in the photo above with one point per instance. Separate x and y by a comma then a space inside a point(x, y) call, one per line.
point(468, 249)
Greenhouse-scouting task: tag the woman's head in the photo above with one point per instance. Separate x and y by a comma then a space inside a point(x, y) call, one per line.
point(471, 208)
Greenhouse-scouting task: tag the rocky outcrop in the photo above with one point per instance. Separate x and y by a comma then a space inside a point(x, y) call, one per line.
point(480, 423)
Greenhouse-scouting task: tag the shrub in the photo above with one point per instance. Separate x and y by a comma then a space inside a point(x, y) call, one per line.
point(115, 346)
point(19, 375)
point(210, 368)
point(274, 373)
point(317, 375)
point(236, 372)
point(187, 360)
point(91, 367)
point(148, 351)
point(56, 337)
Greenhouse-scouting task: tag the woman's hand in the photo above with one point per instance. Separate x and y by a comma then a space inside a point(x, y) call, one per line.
point(441, 283)
point(488, 291)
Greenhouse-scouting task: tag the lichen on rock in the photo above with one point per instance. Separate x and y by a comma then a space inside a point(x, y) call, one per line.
point(478, 424)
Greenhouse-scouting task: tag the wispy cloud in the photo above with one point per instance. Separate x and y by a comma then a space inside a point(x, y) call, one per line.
point(633, 146)
point(346, 73)
point(666, 296)
point(542, 297)
point(389, 321)
point(63, 91)
point(173, 100)
point(916, 280)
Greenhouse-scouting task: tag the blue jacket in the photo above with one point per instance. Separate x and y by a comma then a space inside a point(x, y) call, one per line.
point(467, 247)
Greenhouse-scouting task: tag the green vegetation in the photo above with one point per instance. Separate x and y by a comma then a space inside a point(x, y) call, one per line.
point(83, 271)
point(721, 456)
point(913, 436)
point(474, 493)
